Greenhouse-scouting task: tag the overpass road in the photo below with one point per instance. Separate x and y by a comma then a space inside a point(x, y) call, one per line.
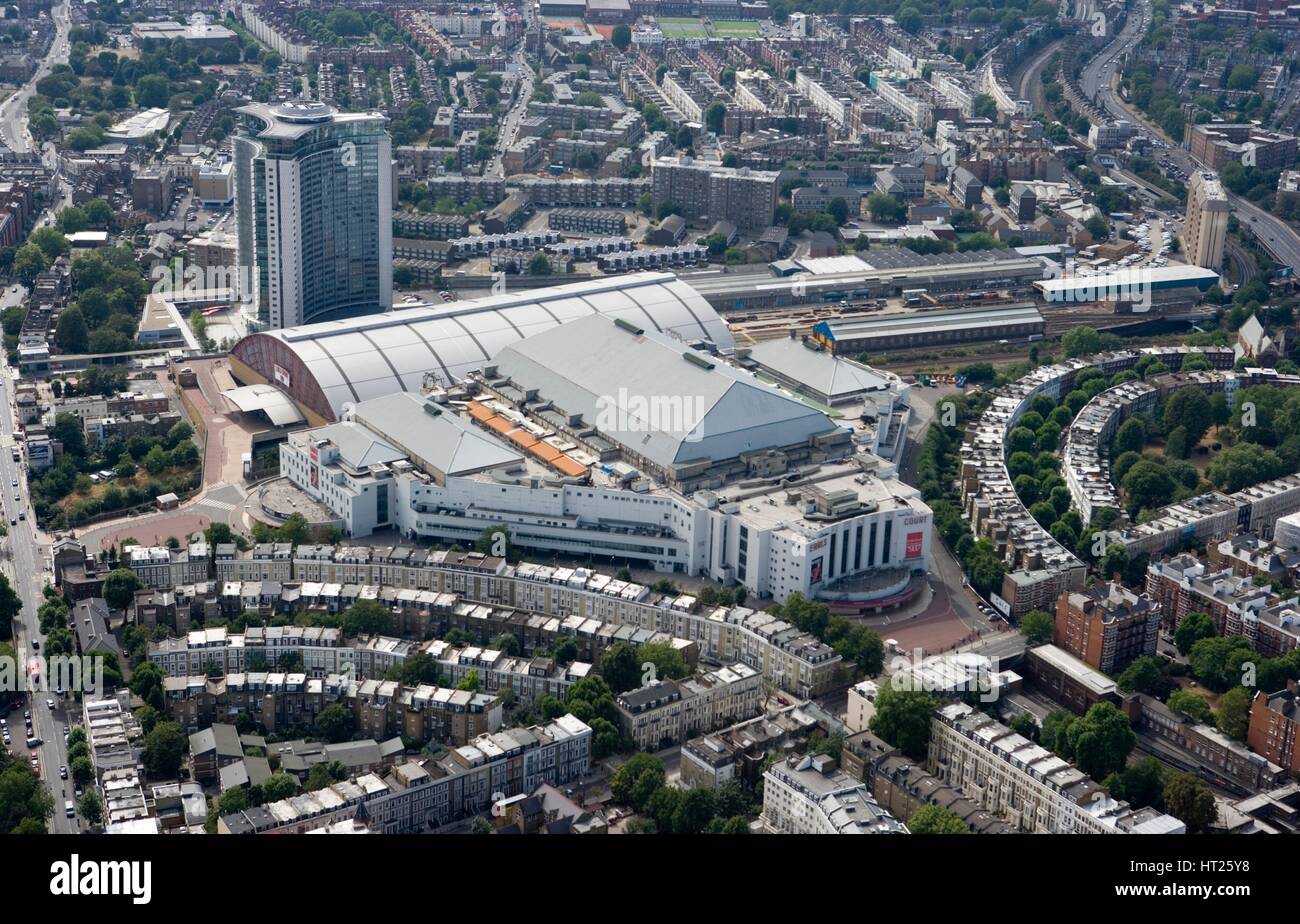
point(1277, 237)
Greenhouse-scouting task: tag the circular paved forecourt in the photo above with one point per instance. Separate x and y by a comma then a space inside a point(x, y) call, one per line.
point(152, 530)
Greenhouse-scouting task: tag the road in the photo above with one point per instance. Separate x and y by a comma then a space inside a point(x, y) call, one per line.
point(27, 566)
point(518, 110)
point(13, 112)
point(1277, 237)
point(26, 560)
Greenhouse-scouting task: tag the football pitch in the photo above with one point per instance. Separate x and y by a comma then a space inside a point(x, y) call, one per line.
point(675, 27)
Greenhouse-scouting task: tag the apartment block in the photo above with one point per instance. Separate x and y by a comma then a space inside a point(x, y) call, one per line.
point(1217, 143)
point(1206, 230)
point(903, 788)
point(1026, 785)
point(1107, 626)
point(740, 752)
point(422, 797)
point(1184, 584)
point(430, 591)
point(1274, 726)
point(110, 728)
point(811, 795)
point(670, 711)
point(707, 190)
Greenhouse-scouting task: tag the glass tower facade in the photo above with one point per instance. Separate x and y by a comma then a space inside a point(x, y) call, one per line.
point(314, 212)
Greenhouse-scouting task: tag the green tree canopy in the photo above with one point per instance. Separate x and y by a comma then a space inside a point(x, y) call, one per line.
point(936, 819)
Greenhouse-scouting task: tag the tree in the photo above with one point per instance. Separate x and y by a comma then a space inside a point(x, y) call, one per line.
point(715, 116)
point(51, 241)
point(621, 37)
point(1189, 800)
point(1081, 341)
point(367, 617)
point(637, 780)
point(1141, 675)
point(155, 460)
point(71, 335)
point(1243, 465)
point(1220, 663)
point(323, 774)
point(25, 803)
point(1193, 628)
point(1232, 713)
point(1104, 741)
point(82, 770)
point(936, 819)
point(279, 786)
point(1037, 627)
point(667, 660)
point(604, 738)
point(120, 587)
point(90, 807)
point(983, 567)
point(10, 605)
point(1190, 705)
point(334, 723)
point(1139, 785)
point(29, 262)
point(164, 748)
point(885, 208)
point(152, 91)
point(539, 264)
point(903, 719)
point(1190, 408)
point(695, 810)
point(1177, 443)
point(1147, 484)
point(663, 806)
point(1131, 436)
point(620, 667)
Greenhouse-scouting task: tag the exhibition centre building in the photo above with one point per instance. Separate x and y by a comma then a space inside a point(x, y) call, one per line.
point(597, 421)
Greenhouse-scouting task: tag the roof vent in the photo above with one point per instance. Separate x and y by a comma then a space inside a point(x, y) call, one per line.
point(629, 327)
point(696, 359)
point(432, 409)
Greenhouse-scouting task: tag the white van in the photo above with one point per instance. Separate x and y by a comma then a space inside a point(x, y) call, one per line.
point(69, 809)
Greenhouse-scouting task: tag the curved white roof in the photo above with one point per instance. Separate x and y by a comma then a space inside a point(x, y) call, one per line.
point(357, 359)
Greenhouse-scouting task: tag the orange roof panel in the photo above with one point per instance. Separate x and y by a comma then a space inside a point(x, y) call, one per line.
point(521, 437)
point(567, 466)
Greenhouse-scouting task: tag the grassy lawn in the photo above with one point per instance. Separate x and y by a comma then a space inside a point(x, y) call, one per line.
point(678, 27)
point(735, 28)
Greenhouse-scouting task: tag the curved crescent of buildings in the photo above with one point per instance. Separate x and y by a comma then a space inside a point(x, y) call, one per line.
point(612, 419)
point(1039, 567)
